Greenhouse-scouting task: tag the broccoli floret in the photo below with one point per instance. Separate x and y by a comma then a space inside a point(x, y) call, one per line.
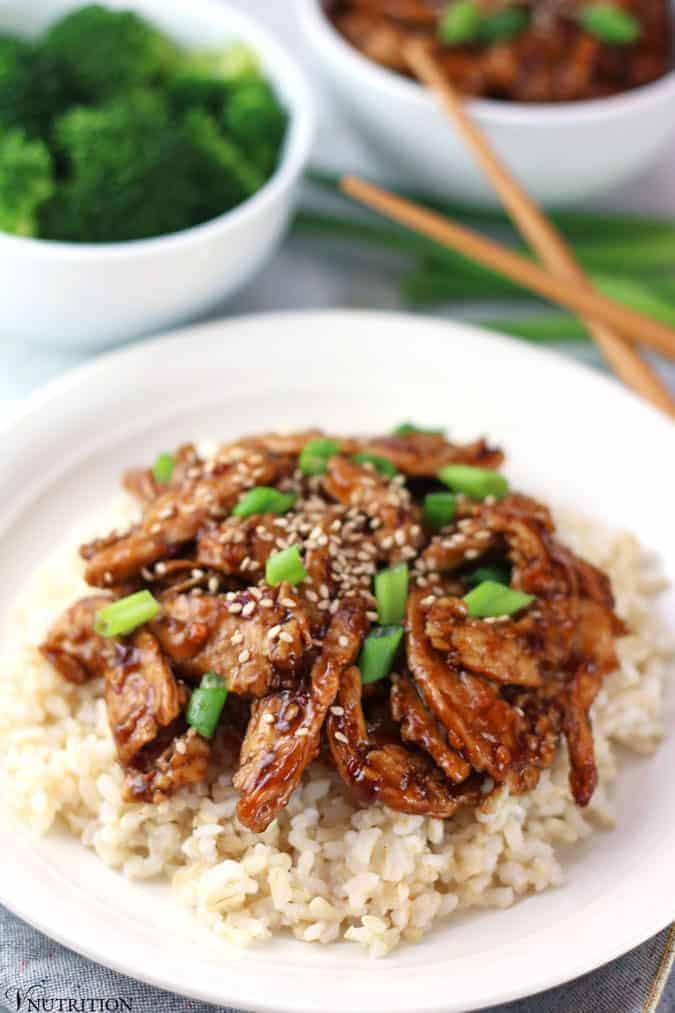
point(257, 122)
point(205, 78)
point(134, 172)
point(26, 182)
point(110, 52)
point(124, 173)
point(34, 87)
point(226, 176)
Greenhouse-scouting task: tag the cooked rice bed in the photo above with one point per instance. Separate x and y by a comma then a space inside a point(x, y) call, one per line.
point(325, 869)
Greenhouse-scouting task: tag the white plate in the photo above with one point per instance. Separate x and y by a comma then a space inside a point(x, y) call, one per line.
point(571, 435)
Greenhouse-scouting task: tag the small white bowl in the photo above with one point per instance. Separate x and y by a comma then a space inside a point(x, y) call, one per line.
point(80, 295)
point(561, 151)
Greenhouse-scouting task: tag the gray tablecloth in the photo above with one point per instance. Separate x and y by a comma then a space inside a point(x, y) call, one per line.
point(33, 967)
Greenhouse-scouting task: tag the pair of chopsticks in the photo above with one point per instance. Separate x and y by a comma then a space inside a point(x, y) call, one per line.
point(615, 328)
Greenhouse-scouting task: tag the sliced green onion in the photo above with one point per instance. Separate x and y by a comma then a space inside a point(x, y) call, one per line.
point(124, 616)
point(206, 704)
point(163, 467)
point(316, 455)
point(610, 24)
point(381, 464)
point(264, 500)
point(439, 510)
point(211, 680)
point(377, 655)
point(477, 483)
point(493, 599)
point(498, 572)
point(285, 565)
point(460, 23)
point(408, 428)
point(504, 25)
point(391, 594)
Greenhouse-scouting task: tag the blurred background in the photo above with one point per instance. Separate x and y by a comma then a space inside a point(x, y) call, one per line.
point(326, 270)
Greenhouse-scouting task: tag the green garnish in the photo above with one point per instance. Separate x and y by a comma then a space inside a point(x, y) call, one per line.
point(391, 594)
point(285, 565)
point(316, 455)
point(477, 483)
point(124, 616)
point(610, 24)
point(493, 599)
point(381, 464)
point(438, 510)
point(504, 25)
point(206, 704)
point(496, 572)
point(408, 428)
point(460, 23)
point(163, 467)
point(264, 500)
point(378, 653)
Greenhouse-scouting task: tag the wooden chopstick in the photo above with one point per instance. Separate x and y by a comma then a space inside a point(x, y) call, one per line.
point(635, 326)
point(543, 237)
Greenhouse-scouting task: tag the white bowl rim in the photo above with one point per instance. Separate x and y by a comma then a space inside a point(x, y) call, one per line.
point(297, 148)
point(488, 110)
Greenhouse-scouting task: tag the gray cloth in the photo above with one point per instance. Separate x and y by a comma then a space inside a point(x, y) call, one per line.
point(31, 964)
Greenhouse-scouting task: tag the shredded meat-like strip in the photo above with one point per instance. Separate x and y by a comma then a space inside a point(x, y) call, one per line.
point(73, 646)
point(420, 727)
point(284, 732)
point(388, 772)
point(175, 517)
point(141, 694)
point(255, 639)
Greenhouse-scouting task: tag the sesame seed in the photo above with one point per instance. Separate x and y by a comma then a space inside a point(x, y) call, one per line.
point(273, 632)
point(244, 656)
point(302, 733)
point(248, 608)
point(197, 574)
point(237, 638)
point(471, 554)
point(214, 584)
point(341, 738)
point(160, 568)
point(266, 603)
point(373, 616)
point(235, 608)
point(286, 637)
point(337, 711)
point(289, 603)
point(429, 600)
point(343, 641)
point(268, 718)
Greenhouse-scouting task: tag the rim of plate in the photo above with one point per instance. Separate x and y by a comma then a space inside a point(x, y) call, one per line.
point(393, 998)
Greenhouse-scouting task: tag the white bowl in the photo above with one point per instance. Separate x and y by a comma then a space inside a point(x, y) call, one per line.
point(561, 151)
point(92, 295)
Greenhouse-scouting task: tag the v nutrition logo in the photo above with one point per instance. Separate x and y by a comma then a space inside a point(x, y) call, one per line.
point(37, 999)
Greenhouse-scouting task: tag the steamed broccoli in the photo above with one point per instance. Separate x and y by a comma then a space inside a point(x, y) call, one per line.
point(34, 87)
point(254, 118)
point(226, 177)
point(109, 52)
point(205, 78)
point(113, 133)
point(124, 173)
point(134, 172)
point(26, 182)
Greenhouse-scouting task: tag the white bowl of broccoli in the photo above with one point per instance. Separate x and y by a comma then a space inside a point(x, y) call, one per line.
point(149, 158)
